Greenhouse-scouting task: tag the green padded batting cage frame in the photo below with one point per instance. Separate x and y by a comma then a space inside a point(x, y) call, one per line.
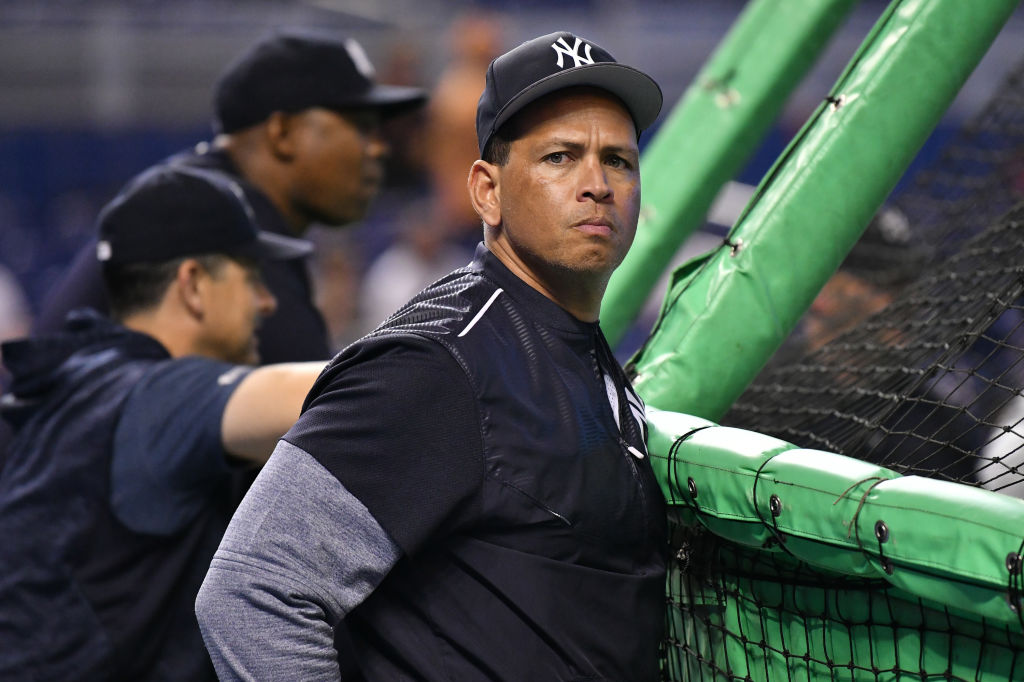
point(852, 512)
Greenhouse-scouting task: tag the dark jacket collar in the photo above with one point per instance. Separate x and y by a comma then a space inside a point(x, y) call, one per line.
point(38, 364)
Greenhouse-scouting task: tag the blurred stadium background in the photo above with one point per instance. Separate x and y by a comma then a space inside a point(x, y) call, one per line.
point(92, 92)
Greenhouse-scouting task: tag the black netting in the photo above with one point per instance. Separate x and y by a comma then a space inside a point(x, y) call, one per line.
point(931, 384)
point(914, 361)
point(741, 614)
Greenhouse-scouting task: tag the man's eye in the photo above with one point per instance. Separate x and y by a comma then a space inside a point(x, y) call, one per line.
point(618, 162)
point(557, 157)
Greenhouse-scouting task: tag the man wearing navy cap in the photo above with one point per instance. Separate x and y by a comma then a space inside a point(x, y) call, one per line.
point(114, 493)
point(468, 487)
point(297, 120)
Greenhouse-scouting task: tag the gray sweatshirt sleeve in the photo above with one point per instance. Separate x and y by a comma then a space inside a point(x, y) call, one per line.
point(299, 554)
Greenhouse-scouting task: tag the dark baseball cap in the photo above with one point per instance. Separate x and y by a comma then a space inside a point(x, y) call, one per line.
point(553, 62)
point(293, 70)
point(173, 212)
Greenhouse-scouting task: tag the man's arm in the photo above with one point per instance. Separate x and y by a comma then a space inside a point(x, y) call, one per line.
point(376, 465)
point(168, 455)
point(264, 406)
point(300, 553)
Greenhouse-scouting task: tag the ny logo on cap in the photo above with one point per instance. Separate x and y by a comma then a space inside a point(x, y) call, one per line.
point(562, 48)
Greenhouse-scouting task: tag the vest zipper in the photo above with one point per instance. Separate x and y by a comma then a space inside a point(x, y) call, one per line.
point(632, 455)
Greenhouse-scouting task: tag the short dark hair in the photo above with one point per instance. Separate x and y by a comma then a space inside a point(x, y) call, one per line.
point(499, 146)
point(136, 287)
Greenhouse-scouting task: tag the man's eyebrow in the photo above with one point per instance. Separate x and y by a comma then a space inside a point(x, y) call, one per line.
point(568, 144)
point(577, 146)
point(619, 149)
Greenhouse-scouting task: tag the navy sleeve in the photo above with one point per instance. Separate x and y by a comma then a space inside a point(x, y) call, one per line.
point(397, 423)
point(168, 454)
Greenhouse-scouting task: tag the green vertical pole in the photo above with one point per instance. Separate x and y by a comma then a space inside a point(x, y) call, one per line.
point(726, 313)
point(713, 130)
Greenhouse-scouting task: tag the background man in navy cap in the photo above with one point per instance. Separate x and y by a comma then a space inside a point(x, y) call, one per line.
point(468, 487)
point(297, 119)
point(113, 496)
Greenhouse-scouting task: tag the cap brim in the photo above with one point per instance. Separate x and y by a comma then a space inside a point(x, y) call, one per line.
point(271, 246)
point(391, 100)
point(638, 91)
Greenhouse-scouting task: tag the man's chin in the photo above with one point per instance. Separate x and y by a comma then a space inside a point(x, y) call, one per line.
point(341, 219)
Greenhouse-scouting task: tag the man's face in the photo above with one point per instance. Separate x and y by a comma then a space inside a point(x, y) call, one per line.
point(236, 303)
point(338, 165)
point(570, 192)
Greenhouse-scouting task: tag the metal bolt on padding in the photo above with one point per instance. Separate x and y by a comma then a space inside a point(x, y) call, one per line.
point(775, 504)
point(692, 487)
point(1013, 563)
point(881, 531)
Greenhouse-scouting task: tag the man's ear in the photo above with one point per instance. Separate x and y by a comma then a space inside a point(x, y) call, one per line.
point(190, 286)
point(280, 129)
point(484, 185)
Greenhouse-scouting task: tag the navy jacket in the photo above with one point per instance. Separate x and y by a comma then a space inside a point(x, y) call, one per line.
point(83, 596)
point(534, 549)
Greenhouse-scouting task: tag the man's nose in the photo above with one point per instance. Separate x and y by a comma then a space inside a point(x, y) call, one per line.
point(593, 181)
point(266, 302)
point(378, 147)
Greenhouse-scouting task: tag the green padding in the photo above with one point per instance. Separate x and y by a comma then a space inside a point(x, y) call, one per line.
point(948, 542)
point(708, 136)
point(817, 497)
point(944, 542)
point(725, 314)
point(721, 468)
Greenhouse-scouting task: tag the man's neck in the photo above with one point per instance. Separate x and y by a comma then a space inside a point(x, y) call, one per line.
point(174, 335)
point(253, 164)
point(570, 291)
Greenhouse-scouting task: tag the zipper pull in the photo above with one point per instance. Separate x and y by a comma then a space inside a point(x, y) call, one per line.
point(633, 451)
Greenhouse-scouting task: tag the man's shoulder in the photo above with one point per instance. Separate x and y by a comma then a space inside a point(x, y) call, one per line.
point(203, 156)
point(190, 372)
point(207, 157)
point(426, 331)
point(445, 309)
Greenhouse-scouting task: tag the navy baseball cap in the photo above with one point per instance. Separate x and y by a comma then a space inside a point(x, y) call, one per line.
point(553, 62)
point(293, 70)
point(173, 212)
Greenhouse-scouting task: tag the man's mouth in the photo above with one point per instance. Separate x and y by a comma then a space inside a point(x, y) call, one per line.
point(594, 226)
